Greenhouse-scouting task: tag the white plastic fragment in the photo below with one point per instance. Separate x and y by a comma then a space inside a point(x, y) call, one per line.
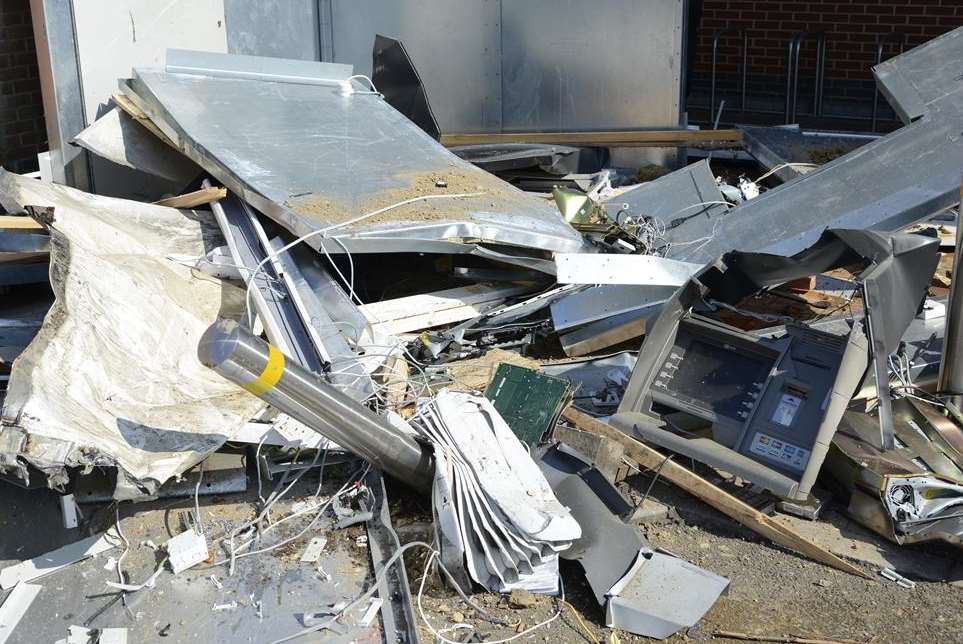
point(362, 541)
point(55, 560)
point(133, 588)
point(110, 564)
point(84, 635)
point(15, 607)
point(312, 552)
point(217, 582)
point(369, 615)
point(187, 549)
point(216, 608)
point(900, 580)
point(68, 508)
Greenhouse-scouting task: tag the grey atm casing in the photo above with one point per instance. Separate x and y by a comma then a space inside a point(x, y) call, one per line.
point(774, 428)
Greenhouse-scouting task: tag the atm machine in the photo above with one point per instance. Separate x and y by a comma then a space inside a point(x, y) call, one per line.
point(766, 408)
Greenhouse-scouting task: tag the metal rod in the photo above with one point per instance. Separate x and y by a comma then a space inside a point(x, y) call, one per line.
point(250, 362)
point(745, 69)
point(715, 58)
point(795, 78)
point(820, 75)
point(792, 41)
point(951, 366)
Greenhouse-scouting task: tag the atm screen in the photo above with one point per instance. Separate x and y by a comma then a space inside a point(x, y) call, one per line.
point(714, 377)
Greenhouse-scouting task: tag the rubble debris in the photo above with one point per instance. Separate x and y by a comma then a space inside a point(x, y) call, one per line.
point(14, 606)
point(904, 176)
point(474, 374)
point(363, 285)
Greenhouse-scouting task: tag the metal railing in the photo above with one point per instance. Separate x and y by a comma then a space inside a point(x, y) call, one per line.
point(744, 32)
point(792, 73)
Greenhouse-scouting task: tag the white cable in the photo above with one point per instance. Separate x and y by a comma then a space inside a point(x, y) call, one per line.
point(272, 255)
point(785, 165)
point(442, 638)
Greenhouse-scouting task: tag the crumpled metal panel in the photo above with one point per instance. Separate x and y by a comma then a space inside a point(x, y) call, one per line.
point(644, 592)
point(884, 185)
point(689, 194)
point(311, 156)
point(117, 137)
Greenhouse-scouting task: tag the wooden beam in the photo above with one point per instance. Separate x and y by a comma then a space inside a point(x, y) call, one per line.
point(138, 115)
point(714, 496)
point(628, 138)
point(19, 222)
point(194, 199)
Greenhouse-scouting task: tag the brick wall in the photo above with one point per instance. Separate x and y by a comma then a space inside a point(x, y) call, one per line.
point(22, 130)
point(852, 29)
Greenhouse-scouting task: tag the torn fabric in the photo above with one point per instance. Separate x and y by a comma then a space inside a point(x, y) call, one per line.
point(113, 378)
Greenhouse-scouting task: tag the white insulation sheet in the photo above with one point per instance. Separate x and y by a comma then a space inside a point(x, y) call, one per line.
point(113, 376)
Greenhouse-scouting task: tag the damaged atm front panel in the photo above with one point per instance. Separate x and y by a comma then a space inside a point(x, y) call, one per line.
point(772, 405)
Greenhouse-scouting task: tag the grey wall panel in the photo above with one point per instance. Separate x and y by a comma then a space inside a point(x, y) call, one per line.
point(454, 44)
point(504, 65)
point(576, 65)
point(275, 28)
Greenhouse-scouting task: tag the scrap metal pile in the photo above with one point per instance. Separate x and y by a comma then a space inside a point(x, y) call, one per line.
point(337, 289)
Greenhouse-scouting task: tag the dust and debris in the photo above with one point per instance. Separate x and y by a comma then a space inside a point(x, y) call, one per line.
point(450, 181)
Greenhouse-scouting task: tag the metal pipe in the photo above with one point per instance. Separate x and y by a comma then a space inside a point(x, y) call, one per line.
point(248, 361)
point(951, 366)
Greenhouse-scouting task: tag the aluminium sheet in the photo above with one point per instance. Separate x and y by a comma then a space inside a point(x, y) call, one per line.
point(313, 157)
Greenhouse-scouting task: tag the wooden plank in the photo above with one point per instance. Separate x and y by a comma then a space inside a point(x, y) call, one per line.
point(717, 498)
point(627, 138)
point(20, 222)
point(416, 312)
point(194, 199)
point(396, 382)
point(138, 115)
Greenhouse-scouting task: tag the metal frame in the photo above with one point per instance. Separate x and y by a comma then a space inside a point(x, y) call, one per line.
point(744, 32)
point(60, 84)
point(397, 613)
